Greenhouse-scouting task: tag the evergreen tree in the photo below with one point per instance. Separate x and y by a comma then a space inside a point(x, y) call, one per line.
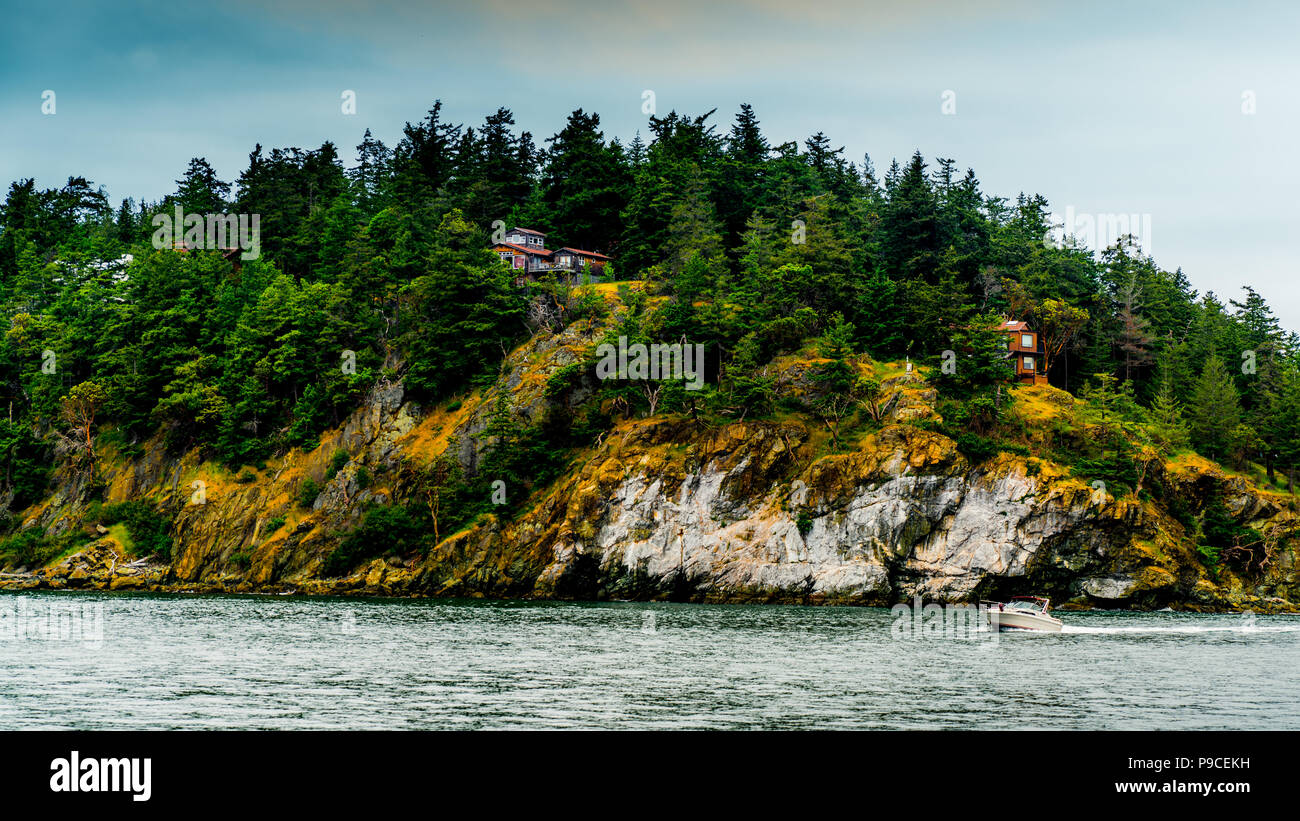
point(911, 226)
point(199, 191)
point(371, 176)
point(583, 187)
point(1215, 409)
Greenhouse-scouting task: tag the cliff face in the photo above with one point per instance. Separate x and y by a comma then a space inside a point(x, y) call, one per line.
point(667, 507)
point(744, 513)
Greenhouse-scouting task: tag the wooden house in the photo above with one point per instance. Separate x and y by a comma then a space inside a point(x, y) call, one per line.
point(1025, 350)
point(525, 251)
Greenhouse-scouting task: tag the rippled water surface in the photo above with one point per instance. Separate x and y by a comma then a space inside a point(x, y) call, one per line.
point(290, 663)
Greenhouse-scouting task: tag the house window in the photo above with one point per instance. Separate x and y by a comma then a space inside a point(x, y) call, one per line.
point(1029, 364)
point(1026, 340)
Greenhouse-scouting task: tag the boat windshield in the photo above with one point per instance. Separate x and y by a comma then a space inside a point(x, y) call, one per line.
point(1025, 604)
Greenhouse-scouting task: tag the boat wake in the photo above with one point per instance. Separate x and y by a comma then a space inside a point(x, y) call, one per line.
point(1227, 628)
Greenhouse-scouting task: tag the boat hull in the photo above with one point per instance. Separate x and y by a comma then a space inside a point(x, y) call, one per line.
point(1018, 620)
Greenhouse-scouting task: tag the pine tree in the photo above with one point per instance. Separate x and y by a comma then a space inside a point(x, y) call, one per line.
point(742, 179)
point(911, 225)
point(1167, 420)
point(371, 175)
point(425, 159)
point(1134, 340)
point(583, 187)
point(1215, 409)
point(199, 191)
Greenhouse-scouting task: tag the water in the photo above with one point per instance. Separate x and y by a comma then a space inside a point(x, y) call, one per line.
point(289, 663)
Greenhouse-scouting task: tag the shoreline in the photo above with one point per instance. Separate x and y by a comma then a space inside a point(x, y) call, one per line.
point(18, 584)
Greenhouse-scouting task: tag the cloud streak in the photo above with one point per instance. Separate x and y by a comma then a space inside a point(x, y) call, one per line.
point(1106, 107)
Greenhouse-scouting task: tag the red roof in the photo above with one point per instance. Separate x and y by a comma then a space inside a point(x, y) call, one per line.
point(584, 253)
point(1015, 325)
point(537, 252)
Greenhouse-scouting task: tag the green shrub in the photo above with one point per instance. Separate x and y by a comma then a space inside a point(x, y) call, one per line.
point(976, 448)
point(564, 379)
point(246, 476)
point(273, 525)
point(804, 522)
point(363, 478)
point(339, 458)
point(30, 548)
point(241, 558)
point(1209, 557)
point(1180, 510)
point(1115, 470)
point(149, 530)
point(307, 492)
point(94, 512)
point(384, 531)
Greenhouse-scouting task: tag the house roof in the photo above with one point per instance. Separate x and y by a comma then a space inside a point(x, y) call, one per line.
point(518, 230)
point(584, 253)
point(1015, 325)
point(537, 252)
point(544, 252)
point(180, 247)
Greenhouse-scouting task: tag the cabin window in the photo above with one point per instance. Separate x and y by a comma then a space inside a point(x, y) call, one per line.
point(1029, 363)
point(1026, 340)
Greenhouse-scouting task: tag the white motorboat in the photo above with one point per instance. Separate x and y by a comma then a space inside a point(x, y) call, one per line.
point(1021, 613)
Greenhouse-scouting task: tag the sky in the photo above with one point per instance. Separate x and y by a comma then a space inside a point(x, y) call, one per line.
point(1182, 114)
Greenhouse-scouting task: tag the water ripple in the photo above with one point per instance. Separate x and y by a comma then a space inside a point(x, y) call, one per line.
point(286, 663)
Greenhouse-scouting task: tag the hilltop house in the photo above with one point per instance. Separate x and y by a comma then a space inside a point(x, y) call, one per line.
point(1026, 352)
point(525, 251)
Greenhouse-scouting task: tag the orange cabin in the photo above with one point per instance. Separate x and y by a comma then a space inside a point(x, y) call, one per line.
point(1026, 352)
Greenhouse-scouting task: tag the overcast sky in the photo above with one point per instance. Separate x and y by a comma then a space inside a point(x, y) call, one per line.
point(1105, 108)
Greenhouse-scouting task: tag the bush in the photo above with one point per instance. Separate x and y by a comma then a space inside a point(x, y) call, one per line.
point(564, 379)
point(246, 476)
point(30, 548)
point(804, 522)
point(307, 492)
point(1210, 558)
point(384, 531)
point(94, 513)
point(976, 448)
point(337, 461)
point(1116, 470)
point(273, 525)
point(149, 530)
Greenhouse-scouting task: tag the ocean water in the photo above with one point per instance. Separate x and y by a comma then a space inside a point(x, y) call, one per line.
point(116, 661)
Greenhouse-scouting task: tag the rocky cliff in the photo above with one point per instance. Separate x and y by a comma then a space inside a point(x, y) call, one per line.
point(671, 507)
